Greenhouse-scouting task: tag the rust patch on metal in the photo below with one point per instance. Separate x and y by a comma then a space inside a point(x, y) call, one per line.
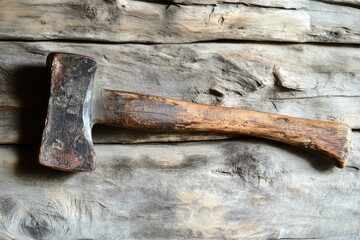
point(66, 141)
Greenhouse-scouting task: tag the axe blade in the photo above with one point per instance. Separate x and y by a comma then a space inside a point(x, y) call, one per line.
point(66, 141)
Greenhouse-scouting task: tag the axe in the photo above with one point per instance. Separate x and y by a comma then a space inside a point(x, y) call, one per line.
point(74, 107)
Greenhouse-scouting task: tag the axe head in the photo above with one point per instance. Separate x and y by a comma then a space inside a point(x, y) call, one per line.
point(66, 141)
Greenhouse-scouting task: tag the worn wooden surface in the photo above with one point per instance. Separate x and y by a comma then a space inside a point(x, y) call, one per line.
point(250, 54)
point(249, 189)
point(142, 112)
point(176, 21)
point(311, 81)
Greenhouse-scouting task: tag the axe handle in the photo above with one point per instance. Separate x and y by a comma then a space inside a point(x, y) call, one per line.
point(330, 140)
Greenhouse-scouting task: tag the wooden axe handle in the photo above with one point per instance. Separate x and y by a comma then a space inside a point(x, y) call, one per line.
point(330, 140)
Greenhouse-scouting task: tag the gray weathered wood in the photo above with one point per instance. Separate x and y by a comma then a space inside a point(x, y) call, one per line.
point(311, 81)
point(279, 4)
point(244, 189)
point(171, 22)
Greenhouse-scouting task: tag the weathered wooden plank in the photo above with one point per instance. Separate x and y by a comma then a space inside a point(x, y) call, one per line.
point(312, 81)
point(169, 22)
point(248, 189)
point(280, 4)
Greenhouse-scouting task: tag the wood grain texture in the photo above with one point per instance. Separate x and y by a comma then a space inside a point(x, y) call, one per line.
point(179, 22)
point(243, 188)
point(275, 4)
point(224, 190)
point(330, 140)
point(309, 81)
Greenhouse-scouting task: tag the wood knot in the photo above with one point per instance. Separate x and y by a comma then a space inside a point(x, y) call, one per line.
point(36, 226)
point(252, 165)
point(334, 34)
point(102, 11)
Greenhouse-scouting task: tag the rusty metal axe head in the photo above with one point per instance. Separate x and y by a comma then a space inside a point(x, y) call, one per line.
point(66, 141)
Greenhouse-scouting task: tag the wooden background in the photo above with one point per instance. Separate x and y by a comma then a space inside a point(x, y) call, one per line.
point(295, 57)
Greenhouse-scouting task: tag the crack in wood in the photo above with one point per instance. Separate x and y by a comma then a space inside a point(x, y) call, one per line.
point(346, 3)
point(314, 97)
